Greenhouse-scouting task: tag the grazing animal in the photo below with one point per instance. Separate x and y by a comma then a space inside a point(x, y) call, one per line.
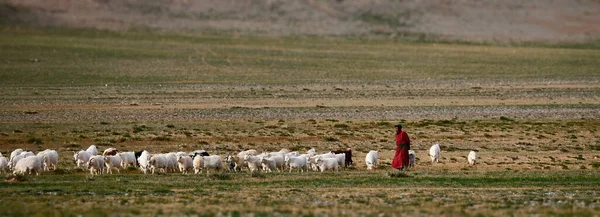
point(372, 160)
point(137, 155)
point(268, 164)
point(110, 152)
point(13, 161)
point(172, 162)
point(28, 165)
point(472, 157)
point(50, 158)
point(240, 164)
point(411, 158)
point(144, 161)
point(3, 165)
point(96, 164)
point(341, 157)
point(434, 153)
point(112, 161)
point(127, 159)
point(279, 159)
point(253, 163)
point(207, 162)
point(14, 153)
point(185, 164)
point(348, 160)
point(311, 152)
point(160, 162)
point(299, 162)
point(82, 157)
point(325, 164)
point(230, 162)
point(193, 154)
point(92, 150)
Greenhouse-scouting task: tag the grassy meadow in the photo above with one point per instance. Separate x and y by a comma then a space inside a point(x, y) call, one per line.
point(530, 111)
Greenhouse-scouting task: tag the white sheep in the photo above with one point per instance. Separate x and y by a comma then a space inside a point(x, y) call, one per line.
point(299, 162)
point(207, 162)
point(144, 161)
point(158, 161)
point(127, 158)
point(50, 158)
point(3, 165)
point(82, 157)
point(412, 158)
point(325, 164)
point(28, 165)
point(253, 162)
point(112, 161)
point(95, 164)
point(172, 162)
point(92, 150)
point(472, 158)
point(185, 164)
point(372, 160)
point(181, 153)
point(434, 153)
point(268, 164)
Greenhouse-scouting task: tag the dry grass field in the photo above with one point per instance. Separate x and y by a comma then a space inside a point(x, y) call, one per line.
point(531, 112)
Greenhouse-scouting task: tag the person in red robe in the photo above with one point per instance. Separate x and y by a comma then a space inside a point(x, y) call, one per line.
point(400, 161)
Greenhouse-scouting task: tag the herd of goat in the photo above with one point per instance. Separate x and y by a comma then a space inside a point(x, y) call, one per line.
point(26, 162)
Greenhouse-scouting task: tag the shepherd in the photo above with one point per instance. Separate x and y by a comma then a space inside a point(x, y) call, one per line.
point(400, 161)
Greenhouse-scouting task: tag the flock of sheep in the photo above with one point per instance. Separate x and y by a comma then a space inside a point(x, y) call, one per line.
point(26, 162)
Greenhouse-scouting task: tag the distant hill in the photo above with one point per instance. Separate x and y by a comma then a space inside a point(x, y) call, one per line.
point(465, 20)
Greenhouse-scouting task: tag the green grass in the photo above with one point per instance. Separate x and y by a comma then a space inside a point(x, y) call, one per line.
point(136, 193)
point(54, 56)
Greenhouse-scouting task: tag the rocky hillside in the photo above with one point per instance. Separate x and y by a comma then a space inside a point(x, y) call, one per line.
point(467, 20)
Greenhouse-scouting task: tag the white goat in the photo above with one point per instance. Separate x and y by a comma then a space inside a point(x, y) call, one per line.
point(207, 162)
point(372, 160)
point(341, 159)
point(28, 165)
point(112, 161)
point(253, 162)
point(412, 158)
point(96, 164)
point(240, 164)
point(327, 164)
point(279, 159)
point(92, 150)
point(15, 153)
point(127, 158)
point(3, 165)
point(50, 158)
point(434, 153)
point(82, 157)
point(472, 158)
point(300, 162)
point(144, 161)
point(268, 164)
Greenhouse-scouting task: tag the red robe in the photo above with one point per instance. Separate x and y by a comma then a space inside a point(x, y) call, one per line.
point(402, 147)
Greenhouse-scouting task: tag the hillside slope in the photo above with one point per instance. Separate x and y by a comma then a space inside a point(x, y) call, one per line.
point(467, 20)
